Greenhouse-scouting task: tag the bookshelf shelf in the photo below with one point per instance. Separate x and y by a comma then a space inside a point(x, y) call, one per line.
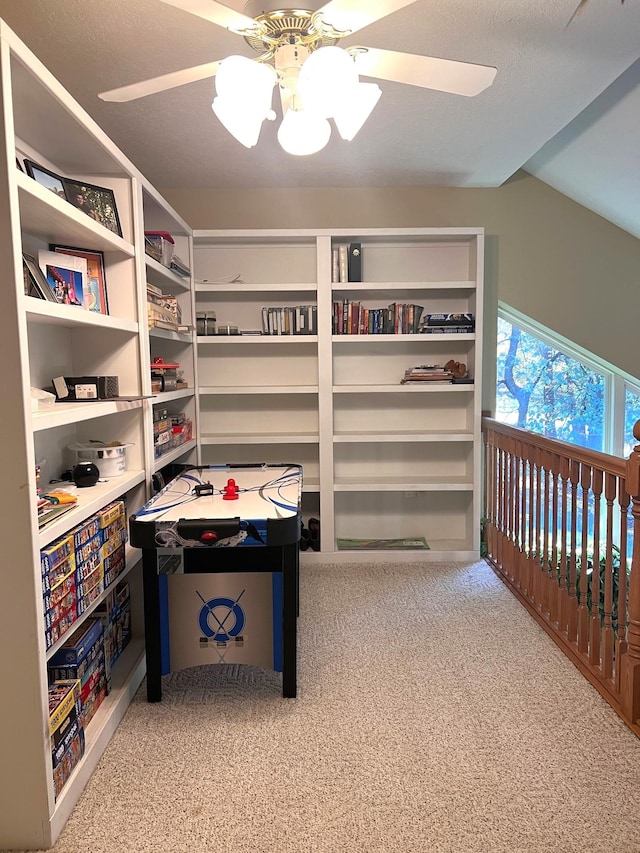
point(175, 454)
point(255, 438)
point(257, 389)
point(252, 340)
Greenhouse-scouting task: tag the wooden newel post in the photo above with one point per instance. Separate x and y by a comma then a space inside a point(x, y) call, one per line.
point(630, 661)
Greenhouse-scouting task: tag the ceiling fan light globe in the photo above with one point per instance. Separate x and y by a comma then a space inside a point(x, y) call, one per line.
point(359, 106)
point(325, 78)
point(240, 77)
point(302, 132)
point(242, 120)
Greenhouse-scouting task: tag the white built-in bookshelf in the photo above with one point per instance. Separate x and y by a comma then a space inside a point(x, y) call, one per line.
point(40, 340)
point(381, 459)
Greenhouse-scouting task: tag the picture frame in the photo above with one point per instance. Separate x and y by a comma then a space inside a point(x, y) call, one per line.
point(36, 284)
point(65, 276)
point(45, 178)
point(96, 282)
point(97, 202)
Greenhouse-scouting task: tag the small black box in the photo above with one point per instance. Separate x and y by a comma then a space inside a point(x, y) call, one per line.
point(355, 262)
point(76, 388)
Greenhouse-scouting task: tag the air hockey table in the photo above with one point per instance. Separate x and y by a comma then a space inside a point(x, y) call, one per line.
point(233, 597)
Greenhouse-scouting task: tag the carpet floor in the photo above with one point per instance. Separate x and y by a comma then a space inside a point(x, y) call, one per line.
point(433, 714)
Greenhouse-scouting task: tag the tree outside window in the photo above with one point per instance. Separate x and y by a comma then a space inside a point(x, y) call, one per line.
point(545, 390)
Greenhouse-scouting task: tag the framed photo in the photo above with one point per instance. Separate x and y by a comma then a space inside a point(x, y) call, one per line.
point(97, 202)
point(96, 284)
point(46, 178)
point(35, 284)
point(66, 277)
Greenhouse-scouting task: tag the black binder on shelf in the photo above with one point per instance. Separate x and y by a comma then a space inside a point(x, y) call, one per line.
point(355, 262)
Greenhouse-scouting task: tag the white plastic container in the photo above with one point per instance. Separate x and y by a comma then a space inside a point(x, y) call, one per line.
point(111, 460)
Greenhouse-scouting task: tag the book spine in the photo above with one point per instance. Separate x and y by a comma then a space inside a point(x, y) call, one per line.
point(355, 262)
point(344, 263)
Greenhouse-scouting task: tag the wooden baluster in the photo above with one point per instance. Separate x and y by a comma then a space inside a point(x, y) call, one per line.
point(515, 508)
point(606, 630)
point(501, 500)
point(510, 494)
point(572, 621)
point(505, 553)
point(523, 477)
point(630, 662)
point(545, 566)
point(492, 531)
point(621, 642)
point(536, 557)
point(563, 592)
point(554, 586)
point(583, 610)
point(527, 476)
point(532, 549)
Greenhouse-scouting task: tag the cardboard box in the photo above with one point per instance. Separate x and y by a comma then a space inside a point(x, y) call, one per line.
point(78, 645)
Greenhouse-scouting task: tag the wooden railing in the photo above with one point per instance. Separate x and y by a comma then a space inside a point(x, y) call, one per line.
point(562, 530)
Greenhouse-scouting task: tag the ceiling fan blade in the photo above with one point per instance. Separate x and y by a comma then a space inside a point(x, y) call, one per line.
point(444, 75)
point(161, 84)
point(351, 15)
point(215, 12)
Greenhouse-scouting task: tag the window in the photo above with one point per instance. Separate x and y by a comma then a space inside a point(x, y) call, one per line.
point(631, 415)
point(548, 385)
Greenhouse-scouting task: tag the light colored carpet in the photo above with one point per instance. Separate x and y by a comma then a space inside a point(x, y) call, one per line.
point(433, 715)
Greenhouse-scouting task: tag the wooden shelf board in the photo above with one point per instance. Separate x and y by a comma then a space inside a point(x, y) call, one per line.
point(414, 388)
point(395, 286)
point(72, 316)
point(407, 484)
point(261, 438)
point(258, 339)
point(169, 335)
point(89, 501)
point(249, 287)
point(166, 396)
point(163, 277)
point(234, 391)
point(362, 436)
point(362, 339)
point(62, 414)
point(172, 455)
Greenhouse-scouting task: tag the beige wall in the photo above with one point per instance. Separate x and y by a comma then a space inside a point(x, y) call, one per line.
point(545, 255)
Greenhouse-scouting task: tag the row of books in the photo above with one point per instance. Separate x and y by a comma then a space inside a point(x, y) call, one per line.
point(346, 263)
point(297, 320)
point(352, 318)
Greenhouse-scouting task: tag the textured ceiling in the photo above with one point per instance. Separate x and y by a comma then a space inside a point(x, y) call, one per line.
point(565, 104)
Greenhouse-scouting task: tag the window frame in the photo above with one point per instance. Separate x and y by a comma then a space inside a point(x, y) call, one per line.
point(616, 381)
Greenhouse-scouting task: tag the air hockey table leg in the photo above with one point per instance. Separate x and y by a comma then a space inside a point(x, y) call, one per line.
point(152, 624)
point(290, 562)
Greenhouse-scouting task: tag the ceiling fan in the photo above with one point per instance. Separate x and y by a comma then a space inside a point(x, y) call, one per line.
point(316, 79)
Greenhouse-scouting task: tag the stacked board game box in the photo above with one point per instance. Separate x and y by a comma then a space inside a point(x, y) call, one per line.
point(115, 615)
point(66, 730)
point(82, 658)
point(78, 567)
point(57, 569)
